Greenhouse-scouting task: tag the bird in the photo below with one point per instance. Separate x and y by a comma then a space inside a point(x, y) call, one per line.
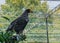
point(19, 24)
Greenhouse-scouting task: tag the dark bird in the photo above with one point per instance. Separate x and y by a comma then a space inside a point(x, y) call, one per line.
point(20, 23)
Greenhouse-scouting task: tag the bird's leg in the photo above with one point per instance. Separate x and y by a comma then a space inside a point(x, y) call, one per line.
point(23, 32)
point(18, 37)
point(24, 36)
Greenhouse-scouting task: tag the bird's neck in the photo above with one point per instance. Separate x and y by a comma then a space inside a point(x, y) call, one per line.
point(25, 14)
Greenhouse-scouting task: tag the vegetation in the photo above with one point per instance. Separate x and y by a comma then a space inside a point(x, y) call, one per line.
point(37, 33)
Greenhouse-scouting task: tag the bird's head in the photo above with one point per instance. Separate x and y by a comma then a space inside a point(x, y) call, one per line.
point(29, 10)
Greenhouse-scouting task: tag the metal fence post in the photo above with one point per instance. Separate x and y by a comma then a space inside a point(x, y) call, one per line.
point(47, 30)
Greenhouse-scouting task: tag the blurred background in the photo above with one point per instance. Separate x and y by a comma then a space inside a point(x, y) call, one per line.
point(37, 24)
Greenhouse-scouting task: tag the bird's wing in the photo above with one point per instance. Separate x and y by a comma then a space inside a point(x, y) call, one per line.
point(21, 20)
point(11, 25)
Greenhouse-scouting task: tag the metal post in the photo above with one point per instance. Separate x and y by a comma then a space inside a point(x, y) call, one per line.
point(58, 6)
point(47, 29)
